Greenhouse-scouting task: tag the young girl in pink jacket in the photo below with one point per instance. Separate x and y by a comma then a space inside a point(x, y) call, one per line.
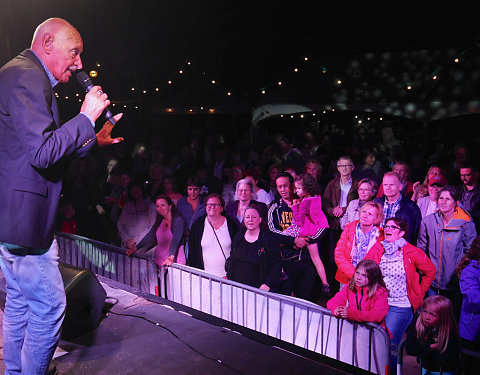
point(310, 221)
point(364, 299)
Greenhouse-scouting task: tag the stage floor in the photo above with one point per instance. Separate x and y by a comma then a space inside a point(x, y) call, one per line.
point(139, 336)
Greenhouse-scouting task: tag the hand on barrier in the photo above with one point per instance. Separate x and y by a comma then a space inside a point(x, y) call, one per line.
point(341, 312)
point(265, 287)
point(131, 246)
point(169, 261)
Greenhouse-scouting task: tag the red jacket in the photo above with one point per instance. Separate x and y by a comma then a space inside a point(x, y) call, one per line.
point(416, 263)
point(360, 307)
point(343, 251)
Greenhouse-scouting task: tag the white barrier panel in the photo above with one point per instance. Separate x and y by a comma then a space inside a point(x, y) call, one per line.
point(290, 319)
point(108, 261)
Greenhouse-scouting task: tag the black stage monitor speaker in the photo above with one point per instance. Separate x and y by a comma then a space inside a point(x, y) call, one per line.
point(85, 299)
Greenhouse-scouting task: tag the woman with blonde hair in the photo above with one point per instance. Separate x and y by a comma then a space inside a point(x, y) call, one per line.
point(433, 339)
point(357, 239)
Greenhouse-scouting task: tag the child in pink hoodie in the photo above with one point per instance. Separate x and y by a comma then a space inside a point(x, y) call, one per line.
point(364, 298)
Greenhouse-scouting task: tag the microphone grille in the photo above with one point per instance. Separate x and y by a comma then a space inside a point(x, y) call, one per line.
point(84, 79)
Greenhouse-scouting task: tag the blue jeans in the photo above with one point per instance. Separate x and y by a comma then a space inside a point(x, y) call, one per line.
point(397, 321)
point(34, 310)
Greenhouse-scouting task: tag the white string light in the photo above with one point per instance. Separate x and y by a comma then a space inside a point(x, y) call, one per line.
point(296, 68)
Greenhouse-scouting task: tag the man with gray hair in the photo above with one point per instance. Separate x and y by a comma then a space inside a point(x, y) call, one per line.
point(338, 194)
point(395, 204)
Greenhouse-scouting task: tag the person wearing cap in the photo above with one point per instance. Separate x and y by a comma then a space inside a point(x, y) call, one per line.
point(428, 204)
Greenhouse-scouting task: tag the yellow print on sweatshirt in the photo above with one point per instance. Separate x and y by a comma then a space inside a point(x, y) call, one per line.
point(286, 219)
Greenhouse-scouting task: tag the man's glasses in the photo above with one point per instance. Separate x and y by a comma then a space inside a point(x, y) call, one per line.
point(345, 166)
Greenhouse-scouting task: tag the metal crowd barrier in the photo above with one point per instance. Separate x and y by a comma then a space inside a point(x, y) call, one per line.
point(137, 271)
point(289, 319)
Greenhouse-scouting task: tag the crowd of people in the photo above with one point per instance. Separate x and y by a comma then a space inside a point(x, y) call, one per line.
point(381, 233)
point(349, 214)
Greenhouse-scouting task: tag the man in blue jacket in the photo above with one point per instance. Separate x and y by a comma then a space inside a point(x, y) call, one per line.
point(395, 204)
point(33, 149)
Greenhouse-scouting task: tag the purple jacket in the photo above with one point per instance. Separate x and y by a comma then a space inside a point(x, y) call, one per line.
point(469, 323)
point(33, 148)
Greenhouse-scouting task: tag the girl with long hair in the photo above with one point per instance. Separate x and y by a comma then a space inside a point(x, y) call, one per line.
point(433, 338)
point(364, 299)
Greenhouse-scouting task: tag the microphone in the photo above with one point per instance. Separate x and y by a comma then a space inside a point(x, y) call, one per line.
point(87, 84)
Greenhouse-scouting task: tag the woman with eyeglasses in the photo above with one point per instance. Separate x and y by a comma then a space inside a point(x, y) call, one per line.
point(407, 272)
point(255, 258)
point(210, 238)
point(244, 196)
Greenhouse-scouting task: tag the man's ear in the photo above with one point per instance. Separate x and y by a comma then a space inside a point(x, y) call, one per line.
point(47, 43)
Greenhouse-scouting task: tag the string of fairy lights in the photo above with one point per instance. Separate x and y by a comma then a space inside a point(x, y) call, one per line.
point(366, 78)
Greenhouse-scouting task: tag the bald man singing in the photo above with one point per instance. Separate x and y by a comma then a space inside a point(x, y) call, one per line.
point(33, 147)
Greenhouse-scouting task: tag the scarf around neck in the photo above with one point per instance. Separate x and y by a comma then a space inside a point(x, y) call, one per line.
point(391, 248)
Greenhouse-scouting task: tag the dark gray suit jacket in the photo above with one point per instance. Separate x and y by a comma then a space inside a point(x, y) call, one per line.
point(33, 149)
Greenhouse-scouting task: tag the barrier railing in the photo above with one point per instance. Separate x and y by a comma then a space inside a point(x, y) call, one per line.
point(137, 271)
point(289, 319)
point(293, 320)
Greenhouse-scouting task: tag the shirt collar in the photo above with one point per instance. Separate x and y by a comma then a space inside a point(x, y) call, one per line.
point(51, 78)
point(396, 202)
point(348, 183)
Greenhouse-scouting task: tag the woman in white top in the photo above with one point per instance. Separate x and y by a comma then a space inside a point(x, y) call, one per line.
point(210, 238)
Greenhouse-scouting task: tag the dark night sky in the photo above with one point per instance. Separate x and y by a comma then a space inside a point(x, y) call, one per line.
point(243, 44)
